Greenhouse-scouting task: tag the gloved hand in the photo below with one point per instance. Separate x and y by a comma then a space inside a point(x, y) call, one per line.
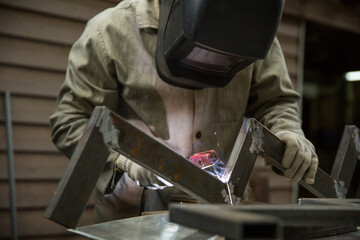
point(140, 175)
point(300, 159)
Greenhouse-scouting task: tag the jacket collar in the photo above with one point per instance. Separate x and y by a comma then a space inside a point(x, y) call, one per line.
point(147, 13)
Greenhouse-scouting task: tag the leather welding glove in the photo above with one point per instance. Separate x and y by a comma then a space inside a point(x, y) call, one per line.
point(140, 175)
point(300, 159)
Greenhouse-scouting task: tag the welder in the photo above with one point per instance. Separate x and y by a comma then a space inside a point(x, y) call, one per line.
point(187, 80)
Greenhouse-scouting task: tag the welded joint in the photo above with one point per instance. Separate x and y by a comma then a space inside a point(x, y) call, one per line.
point(257, 138)
point(229, 196)
point(340, 188)
point(108, 130)
point(356, 137)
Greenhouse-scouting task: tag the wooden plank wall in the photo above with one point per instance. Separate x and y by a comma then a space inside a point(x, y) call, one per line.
point(35, 40)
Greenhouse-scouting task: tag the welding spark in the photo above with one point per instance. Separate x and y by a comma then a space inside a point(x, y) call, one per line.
point(209, 162)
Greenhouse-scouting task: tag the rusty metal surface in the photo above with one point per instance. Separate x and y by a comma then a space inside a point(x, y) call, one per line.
point(347, 161)
point(81, 174)
point(107, 131)
point(164, 162)
point(271, 148)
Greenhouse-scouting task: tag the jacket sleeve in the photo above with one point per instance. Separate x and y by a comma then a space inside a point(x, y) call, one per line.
point(273, 100)
point(90, 81)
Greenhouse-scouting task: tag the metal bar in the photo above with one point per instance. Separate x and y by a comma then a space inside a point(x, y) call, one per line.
point(159, 159)
point(107, 131)
point(11, 168)
point(241, 160)
point(82, 172)
point(272, 149)
point(355, 202)
point(231, 224)
point(291, 214)
point(314, 220)
point(346, 160)
point(346, 156)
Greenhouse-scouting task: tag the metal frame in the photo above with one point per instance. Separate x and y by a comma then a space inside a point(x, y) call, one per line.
point(108, 132)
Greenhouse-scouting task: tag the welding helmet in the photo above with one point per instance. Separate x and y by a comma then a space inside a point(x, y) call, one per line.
point(204, 43)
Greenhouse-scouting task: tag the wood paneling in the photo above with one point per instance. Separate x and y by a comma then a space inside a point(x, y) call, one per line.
point(34, 167)
point(29, 139)
point(289, 47)
point(289, 27)
point(29, 110)
point(20, 52)
point(35, 40)
point(28, 25)
point(30, 82)
point(32, 223)
point(81, 10)
point(325, 12)
point(292, 66)
point(30, 195)
point(280, 196)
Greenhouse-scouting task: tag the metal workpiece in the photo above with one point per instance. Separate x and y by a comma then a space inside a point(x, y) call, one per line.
point(154, 226)
point(292, 221)
point(355, 202)
point(107, 132)
point(227, 222)
point(271, 148)
point(164, 162)
point(347, 162)
point(82, 172)
point(242, 158)
point(159, 159)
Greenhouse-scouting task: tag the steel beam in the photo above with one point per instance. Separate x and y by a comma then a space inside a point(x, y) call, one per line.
point(81, 174)
point(347, 161)
point(296, 221)
point(227, 222)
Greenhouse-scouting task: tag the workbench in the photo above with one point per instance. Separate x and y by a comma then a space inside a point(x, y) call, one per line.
point(157, 226)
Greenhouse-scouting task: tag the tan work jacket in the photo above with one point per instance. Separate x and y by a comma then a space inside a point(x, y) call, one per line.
point(112, 64)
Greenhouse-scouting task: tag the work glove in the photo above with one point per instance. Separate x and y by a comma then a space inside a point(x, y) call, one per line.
point(139, 174)
point(299, 160)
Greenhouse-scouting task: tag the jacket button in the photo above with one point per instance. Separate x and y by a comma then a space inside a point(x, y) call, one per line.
point(198, 135)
